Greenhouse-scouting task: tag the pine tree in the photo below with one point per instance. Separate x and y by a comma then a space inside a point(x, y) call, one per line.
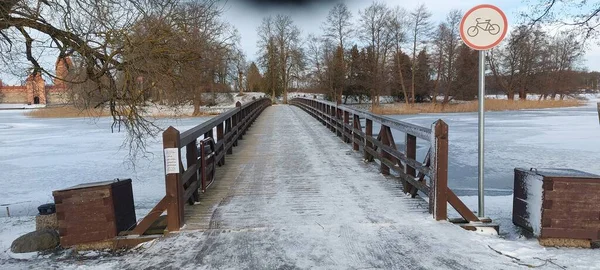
point(253, 79)
point(422, 77)
point(401, 76)
point(338, 74)
point(466, 74)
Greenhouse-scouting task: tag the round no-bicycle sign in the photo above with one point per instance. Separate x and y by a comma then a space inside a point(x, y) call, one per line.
point(483, 27)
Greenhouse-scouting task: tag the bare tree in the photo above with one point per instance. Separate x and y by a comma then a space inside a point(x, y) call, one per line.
point(563, 53)
point(374, 31)
point(338, 25)
point(420, 29)
point(582, 17)
point(113, 44)
point(439, 54)
point(281, 32)
point(397, 27)
point(451, 41)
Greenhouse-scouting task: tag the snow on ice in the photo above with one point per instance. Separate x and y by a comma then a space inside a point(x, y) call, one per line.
point(41, 155)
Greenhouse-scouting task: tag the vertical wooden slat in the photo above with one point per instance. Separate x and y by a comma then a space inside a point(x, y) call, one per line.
point(219, 140)
point(191, 155)
point(356, 135)
point(385, 170)
point(228, 131)
point(339, 122)
point(368, 143)
point(392, 144)
point(411, 153)
point(346, 123)
point(332, 118)
point(174, 189)
point(440, 176)
point(236, 121)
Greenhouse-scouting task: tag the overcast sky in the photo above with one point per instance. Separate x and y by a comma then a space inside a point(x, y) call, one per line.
point(246, 16)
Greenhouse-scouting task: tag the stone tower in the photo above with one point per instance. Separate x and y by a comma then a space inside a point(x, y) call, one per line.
point(36, 88)
point(63, 64)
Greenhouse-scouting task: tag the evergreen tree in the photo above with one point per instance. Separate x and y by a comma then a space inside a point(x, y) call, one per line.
point(466, 74)
point(401, 75)
point(253, 79)
point(422, 77)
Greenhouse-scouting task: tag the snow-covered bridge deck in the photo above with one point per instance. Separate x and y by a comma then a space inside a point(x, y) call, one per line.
point(294, 196)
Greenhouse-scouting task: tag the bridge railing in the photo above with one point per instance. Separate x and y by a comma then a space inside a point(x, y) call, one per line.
point(346, 123)
point(203, 153)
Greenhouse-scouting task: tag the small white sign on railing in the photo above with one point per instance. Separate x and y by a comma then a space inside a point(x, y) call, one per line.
point(171, 160)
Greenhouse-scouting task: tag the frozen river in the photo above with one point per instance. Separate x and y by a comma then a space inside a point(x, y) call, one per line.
point(38, 156)
point(41, 155)
point(550, 138)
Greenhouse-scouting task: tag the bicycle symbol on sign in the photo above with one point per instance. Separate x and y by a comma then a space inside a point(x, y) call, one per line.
point(493, 29)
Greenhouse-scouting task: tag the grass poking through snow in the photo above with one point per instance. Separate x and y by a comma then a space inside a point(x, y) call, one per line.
point(472, 106)
point(66, 112)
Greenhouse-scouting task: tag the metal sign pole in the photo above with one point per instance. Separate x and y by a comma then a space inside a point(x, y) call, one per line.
point(481, 97)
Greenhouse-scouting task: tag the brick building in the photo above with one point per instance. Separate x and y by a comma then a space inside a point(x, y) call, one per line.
point(36, 91)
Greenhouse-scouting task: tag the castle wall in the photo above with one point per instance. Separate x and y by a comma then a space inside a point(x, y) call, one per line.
point(56, 95)
point(20, 95)
point(35, 88)
point(13, 94)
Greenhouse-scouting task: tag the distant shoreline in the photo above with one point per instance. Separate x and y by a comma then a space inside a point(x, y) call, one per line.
point(472, 106)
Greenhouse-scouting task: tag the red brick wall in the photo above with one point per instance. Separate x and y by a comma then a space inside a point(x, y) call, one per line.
point(571, 208)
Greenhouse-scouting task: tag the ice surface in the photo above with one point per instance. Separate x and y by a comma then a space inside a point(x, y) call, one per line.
point(547, 138)
point(36, 158)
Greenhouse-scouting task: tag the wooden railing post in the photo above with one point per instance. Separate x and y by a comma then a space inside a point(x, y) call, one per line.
point(228, 132)
point(385, 140)
point(356, 135)
point(236, 120)
point(191, 155)
point(411, 153)
point(339, 122)
point(368, 137)
point(220, 137)
point(438, 203)
point(345, 129)
point(174, 188)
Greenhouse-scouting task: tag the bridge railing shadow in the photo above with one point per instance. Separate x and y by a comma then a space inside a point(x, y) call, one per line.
point(429, 177)
point(203, 152)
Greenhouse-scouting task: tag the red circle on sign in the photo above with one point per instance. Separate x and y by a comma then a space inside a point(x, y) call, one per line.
point(483, 48)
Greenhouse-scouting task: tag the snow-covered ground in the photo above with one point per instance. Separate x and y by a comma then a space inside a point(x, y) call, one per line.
point(224, 101)
point(6, 106)
point(41, 155)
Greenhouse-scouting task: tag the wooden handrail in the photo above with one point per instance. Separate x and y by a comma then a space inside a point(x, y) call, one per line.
point(346, 123)
point(183, 185)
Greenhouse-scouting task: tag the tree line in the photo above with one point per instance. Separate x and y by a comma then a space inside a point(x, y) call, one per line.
point(391, 51)
point(126, 54)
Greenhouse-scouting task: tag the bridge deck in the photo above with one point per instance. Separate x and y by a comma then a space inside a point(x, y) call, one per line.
point(294, 196)
point(295, 172)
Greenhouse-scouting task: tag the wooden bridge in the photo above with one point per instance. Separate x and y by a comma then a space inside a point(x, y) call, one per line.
point(302, 186)
point(284, 171)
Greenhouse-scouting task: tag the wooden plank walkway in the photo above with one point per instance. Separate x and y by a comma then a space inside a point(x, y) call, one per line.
point(272, 168)
point(294, 196)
